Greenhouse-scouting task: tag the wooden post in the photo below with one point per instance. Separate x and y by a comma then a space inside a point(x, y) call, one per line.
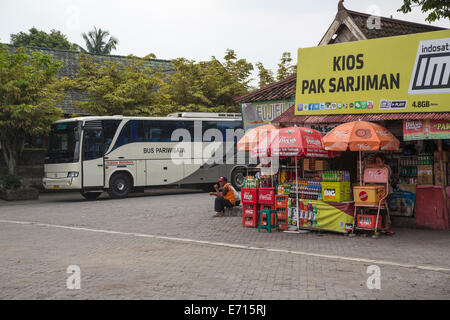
point(443, 173)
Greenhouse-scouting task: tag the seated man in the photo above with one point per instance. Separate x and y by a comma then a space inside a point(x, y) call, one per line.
point(224, 197)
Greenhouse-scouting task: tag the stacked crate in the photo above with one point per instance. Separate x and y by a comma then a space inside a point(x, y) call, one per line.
point(266, 201)
point(281, 206)
point(250, 212)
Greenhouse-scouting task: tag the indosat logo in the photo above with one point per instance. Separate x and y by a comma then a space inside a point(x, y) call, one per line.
point(431, 73)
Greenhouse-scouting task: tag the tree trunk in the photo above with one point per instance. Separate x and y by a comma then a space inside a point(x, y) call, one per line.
point(11, 151)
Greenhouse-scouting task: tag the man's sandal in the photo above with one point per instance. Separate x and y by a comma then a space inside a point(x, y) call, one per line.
point(217, 215)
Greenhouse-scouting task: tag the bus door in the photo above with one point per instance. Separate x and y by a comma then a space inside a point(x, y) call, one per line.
point(93, 150)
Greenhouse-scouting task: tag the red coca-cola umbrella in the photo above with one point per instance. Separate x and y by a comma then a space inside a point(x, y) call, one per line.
point(299, 142)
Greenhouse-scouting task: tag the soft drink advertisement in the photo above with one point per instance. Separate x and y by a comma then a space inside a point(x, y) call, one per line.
point(426, 129)
point(315, 214)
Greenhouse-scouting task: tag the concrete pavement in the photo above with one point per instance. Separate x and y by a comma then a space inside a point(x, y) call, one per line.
point(167, 246)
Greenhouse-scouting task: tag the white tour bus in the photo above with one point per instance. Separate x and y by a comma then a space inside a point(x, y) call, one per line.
point(123, 154)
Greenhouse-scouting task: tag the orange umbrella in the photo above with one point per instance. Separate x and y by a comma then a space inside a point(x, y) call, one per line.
point(360, 136)
point(253, 137)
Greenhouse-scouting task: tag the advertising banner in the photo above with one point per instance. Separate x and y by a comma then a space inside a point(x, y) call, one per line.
point(401, 74)
point(426, 129)
point(322, 127)
point(260, 113)
point(319, 215)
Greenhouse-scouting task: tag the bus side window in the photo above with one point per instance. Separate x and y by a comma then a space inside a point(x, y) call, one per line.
point(206, 126)
point(123, 137)
point(189, 126)
point(109, 130)
point(223, 126)
point(151, 131)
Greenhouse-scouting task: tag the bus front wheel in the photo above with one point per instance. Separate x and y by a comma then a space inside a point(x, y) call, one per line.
point(119, 186)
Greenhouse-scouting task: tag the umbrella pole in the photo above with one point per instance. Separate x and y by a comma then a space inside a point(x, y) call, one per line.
point(360, 168)
point(296, 190)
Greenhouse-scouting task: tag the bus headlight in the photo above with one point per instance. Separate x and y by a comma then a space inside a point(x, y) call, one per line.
point(72, 174)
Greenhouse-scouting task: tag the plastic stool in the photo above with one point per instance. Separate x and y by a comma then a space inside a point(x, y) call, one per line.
point(268, 213)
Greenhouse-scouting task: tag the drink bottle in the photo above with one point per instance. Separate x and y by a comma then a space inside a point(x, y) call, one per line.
point(315, 211)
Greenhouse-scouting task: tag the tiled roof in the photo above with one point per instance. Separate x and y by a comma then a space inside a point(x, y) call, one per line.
point(286, 88)
point(69, 69)
point(289, 117)
point(389, 27)
point(281, 90)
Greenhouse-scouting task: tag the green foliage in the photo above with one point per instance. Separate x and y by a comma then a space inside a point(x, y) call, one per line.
point(439, 8)
point(135, 90)
point(127, 88)
point(97, 41)
point(11, 182)
point(39, 38)
point(28, 92)
point(265, 75)
point(285, 67)
point(211, 84)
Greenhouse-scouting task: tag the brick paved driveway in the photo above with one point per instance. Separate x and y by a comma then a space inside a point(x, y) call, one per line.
point(129, 249)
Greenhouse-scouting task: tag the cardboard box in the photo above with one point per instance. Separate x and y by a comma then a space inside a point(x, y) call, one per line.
point(424, 180)
point(309, 164)
point(425, 174)
point(321, 165)
point(445, 156)
point(368, 195)
point(336, 191)
point(440, 174)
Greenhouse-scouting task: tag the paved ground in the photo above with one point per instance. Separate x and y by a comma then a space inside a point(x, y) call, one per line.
point(166, 245)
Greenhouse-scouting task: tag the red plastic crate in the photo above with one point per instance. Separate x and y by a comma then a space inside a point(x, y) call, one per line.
point(249, 195)
point(367, 221)
point(266, 196)
point(281, 201)
point(250, 215)
point(266, 207)
point(283, 218)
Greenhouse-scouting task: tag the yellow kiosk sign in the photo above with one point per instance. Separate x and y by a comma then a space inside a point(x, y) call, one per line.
point(388, 75)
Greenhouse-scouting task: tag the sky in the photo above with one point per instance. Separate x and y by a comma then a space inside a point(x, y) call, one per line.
point(258, 30)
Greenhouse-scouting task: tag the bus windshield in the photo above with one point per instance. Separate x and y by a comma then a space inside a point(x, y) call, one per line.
point(63, 143)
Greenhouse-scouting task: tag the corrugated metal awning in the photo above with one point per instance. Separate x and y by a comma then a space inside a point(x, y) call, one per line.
point(288, 117)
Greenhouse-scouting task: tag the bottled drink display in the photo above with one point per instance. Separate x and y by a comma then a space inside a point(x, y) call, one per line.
point(307, 189)
point(425, 159)
point(253, 182)
point(336, 176)
point(307, 213)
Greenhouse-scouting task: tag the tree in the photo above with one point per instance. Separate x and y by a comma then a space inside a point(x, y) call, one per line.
point(39, 38)
point(28, 92)
point(208, 85)
point(97, 42)
point(127, 88)
point(132, 89)
point(265, 75)
point(285, 68)
point(439, 8)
